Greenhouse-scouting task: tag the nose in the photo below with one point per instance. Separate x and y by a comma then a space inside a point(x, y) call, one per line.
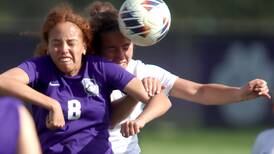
point(64, 48)
point(121, 53)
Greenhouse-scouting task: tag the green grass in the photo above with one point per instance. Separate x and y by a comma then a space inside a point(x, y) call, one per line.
point(197, 141)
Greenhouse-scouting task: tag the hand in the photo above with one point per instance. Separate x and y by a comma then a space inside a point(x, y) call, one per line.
point(55, 118)
point(255, 88)
point(132, 127)
point(152, 85)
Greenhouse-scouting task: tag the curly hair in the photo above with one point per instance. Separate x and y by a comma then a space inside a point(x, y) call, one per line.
point(104, 19)
point(63, 13)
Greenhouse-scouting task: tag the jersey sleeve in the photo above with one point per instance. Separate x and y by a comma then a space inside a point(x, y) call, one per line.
point(166, 78)
point(117, 76)
point(30, 67)
point(38, 68)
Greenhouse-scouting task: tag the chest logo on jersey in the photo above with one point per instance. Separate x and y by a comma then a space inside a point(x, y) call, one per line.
point(54, 84)
point(90, 86)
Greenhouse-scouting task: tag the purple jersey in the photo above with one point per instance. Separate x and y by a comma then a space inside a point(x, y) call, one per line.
point(85, 100)
point(9, 130)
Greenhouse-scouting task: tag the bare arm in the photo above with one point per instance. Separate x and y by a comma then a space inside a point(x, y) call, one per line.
point(217, 94)
point(121, 109)
point(136, 89)
point(14, 82)
point(155, 107)
point(28, 139)
point(124, 106)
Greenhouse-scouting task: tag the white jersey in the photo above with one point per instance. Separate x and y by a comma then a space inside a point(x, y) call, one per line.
point(264, 143)
point(120, 144)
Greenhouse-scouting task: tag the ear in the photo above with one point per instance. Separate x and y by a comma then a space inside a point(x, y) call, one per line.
point(85, 49)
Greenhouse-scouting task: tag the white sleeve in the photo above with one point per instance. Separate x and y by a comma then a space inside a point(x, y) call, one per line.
point(166, 78)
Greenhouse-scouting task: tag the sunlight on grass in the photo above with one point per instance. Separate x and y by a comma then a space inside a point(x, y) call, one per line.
point(197, 141)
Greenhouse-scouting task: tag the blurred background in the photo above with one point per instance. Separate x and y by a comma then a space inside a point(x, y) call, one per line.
point(227, 41)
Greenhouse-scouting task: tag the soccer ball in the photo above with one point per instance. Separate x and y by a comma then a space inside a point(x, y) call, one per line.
point(144, 22)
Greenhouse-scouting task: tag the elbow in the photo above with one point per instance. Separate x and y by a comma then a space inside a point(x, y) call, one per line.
point(2, 78)
point(114, 120)
point(169, 105)
point(3, 81)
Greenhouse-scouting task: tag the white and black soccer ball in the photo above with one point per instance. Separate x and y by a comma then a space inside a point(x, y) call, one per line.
point(144, 22)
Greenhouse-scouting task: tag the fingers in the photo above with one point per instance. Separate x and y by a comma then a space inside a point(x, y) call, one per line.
point(53, 121)
point(156, 87)
point(124, 129)
point(48, 123)
point(53, 125)
point(152, 85)
point(257, 83)
point(260, 87)
point(264, 91)
point(130, 128)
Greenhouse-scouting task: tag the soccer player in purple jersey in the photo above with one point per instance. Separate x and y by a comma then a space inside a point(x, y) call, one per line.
point(72, 90)
point(17, 131)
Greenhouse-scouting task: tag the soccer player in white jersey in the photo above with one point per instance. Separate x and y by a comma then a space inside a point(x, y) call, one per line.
point(264, 143)
point(111, 44)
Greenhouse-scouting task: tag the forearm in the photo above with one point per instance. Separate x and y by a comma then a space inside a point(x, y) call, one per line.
point(27, 134)
point(217, 94)
point(156, 107)
point(122, 109)
point(18, 89)
point(208, 94)
point(136, 90)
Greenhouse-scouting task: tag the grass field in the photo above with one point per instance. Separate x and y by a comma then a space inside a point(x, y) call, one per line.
point(198, 141)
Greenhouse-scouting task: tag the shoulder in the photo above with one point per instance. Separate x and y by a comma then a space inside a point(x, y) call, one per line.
point(44, 61)
point(9, 103)
point(101, 63)
point(133, 64)
point(158, 71)
point(10, 118)
point(138, 64)
point(97, 60)
point(264, 142)
point(141, 70)
point(9, 107)
point(265, 135)
point(39, 67)
point(137, 67)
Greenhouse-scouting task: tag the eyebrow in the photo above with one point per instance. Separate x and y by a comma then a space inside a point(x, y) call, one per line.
point(59, 40)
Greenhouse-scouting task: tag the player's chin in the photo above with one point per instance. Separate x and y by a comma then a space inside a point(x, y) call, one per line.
point(124, 65)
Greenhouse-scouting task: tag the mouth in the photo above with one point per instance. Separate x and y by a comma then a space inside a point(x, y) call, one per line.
point(122, 63)
point(65, 60)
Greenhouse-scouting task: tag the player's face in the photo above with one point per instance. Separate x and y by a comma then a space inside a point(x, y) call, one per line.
point(66, 47)
point(117, 48)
